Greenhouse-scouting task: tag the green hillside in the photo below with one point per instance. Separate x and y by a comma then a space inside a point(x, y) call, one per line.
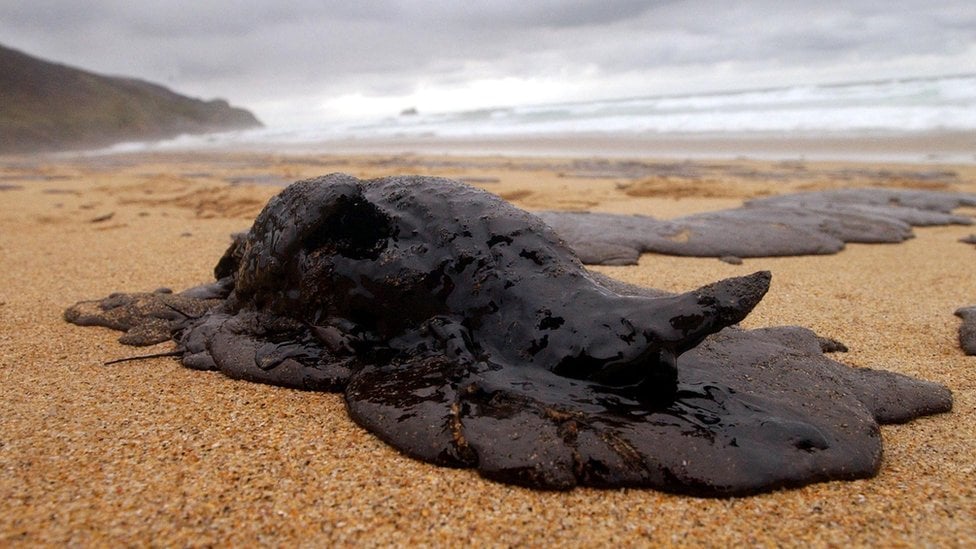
point(46, 107)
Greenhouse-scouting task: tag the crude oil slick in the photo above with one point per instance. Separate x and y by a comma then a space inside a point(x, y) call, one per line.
point(967, 330)
point(465, 333)
point(792, 224)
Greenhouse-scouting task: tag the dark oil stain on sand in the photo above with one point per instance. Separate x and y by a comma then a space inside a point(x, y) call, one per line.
point(466, 334)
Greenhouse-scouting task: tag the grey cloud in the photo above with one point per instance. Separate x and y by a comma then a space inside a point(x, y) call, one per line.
point(523, 14)
point(261, 50)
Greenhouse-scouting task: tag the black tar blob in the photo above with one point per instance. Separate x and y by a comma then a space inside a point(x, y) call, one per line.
point(465, 333)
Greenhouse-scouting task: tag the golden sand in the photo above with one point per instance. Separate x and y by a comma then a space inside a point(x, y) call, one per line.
point(151, 453)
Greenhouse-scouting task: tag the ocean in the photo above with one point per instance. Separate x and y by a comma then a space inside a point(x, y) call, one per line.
point(901, 107)
point(915, 105)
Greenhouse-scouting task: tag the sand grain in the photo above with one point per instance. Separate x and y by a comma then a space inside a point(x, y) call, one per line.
point(149, 452)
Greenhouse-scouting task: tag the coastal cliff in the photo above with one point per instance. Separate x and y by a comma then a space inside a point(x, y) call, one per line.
point(49, 107)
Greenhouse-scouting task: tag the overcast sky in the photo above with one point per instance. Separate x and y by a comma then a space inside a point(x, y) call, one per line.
point(312, 60)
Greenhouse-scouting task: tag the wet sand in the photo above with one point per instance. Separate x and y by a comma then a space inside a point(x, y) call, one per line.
point(149, 452)
point(939, 146)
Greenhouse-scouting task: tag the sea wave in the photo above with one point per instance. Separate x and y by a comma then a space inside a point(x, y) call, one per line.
point(914, 105)
point(907, 106)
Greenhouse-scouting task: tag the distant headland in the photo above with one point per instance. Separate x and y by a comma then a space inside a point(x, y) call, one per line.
point(46, 106)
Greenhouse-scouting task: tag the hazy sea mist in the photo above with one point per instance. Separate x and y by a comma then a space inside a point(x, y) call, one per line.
point(916, 105)
point(901, 107)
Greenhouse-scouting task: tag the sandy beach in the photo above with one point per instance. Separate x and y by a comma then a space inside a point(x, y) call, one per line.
point(149, 452)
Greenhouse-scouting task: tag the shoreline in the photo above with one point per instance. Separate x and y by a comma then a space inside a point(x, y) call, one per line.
point(151, 452)
point(934, 147)
point(929, 148)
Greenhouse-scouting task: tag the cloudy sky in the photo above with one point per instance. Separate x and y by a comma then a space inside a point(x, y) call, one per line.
point(313, 60)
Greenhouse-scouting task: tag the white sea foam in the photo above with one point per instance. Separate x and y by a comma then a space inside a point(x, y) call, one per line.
point(903, 106)
point(894, 106)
